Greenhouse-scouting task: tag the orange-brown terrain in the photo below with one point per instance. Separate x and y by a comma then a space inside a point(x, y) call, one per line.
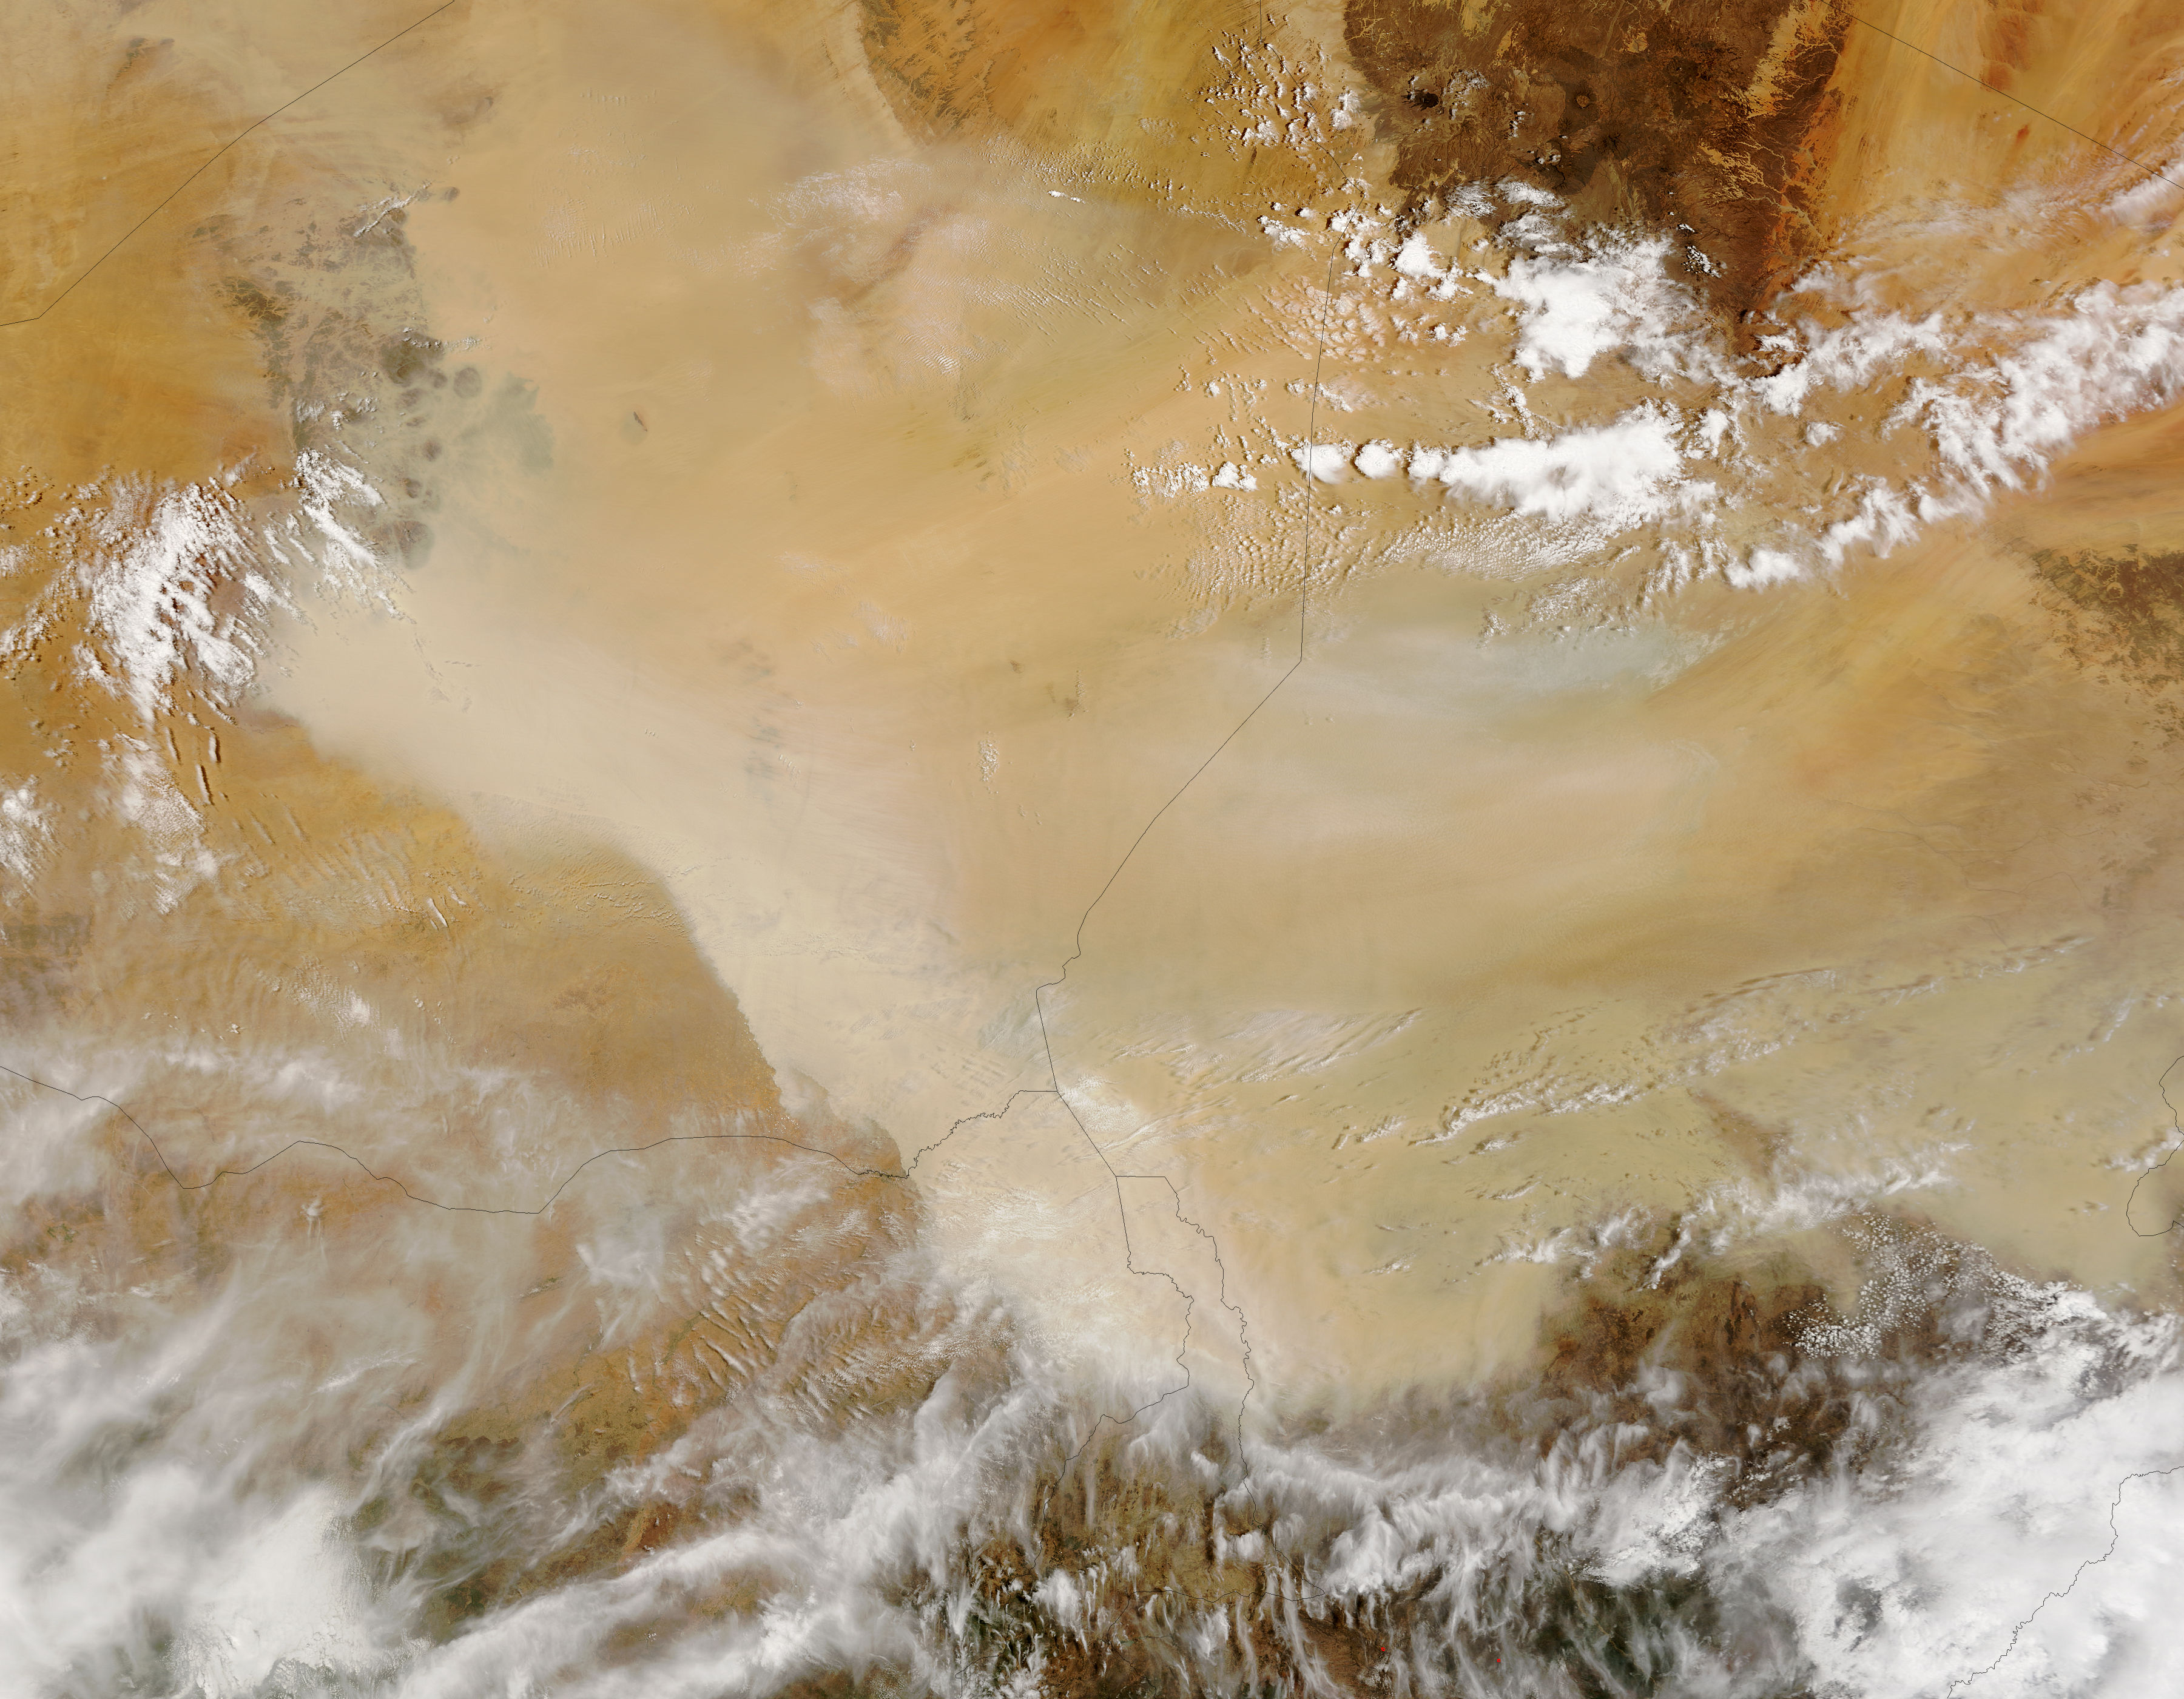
point(996, 848)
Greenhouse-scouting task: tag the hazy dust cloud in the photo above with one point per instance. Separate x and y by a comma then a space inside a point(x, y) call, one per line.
point(1002, 848)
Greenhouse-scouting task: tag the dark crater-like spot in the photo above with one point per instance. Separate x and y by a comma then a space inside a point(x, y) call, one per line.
point(1707, 122)
point(409, 357)
point(408, 540)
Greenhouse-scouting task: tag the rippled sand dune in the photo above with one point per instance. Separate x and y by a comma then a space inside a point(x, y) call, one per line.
point(1005, 848)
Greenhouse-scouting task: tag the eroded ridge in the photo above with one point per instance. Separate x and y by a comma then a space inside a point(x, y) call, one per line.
point(1692, 1418)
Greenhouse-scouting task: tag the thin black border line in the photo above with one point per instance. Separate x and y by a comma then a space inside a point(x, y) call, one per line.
point(1312, 481)
point(2161, 1085)
point(160, 205)
point(1304, 590)
point(2115, 1538)
point(2128, 158)
point(568, 1180)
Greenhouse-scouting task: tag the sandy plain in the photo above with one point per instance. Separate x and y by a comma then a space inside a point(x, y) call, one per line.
point(647, 1002)
point(789, 401)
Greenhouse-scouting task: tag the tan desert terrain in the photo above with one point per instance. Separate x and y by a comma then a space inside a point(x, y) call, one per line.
point(1014, 846)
